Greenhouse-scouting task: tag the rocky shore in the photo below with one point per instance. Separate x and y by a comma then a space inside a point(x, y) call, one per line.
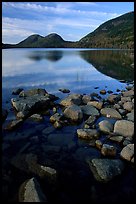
point(69, 150)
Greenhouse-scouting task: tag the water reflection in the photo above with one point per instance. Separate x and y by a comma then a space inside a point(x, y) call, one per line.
point(53, 55)
point(117, 64)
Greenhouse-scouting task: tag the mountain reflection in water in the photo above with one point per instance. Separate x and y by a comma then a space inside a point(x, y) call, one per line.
point(117, 64)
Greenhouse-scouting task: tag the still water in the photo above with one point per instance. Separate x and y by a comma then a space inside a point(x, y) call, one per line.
point(79, 70)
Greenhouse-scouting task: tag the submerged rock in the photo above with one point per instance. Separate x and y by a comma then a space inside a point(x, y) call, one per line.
point(13, 124)
point(88, 134)
point(105, 170)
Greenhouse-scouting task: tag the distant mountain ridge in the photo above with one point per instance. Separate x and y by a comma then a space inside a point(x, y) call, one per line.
point(115, 33)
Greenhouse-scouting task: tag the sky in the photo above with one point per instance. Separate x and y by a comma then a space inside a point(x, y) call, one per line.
point(71, 20)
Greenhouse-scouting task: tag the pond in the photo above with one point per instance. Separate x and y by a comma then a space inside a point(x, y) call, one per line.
point(82, 71)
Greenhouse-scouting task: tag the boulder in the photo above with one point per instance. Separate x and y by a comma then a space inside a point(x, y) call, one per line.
point(112, 98)
point(128, 93)
point(72, 99)
point(56, 117)
point(124, 128)
point(13, 124)
point(64, 90)
point(108, 150)
point(37, 117)
point(30, 191)
point(127, 152)
point(103, 91)
point(130, 116)
point(105, 170)
point(88, 134)
point(105, 126)
point(128, 106)
point(17, 91)
point(116, 138)
point(91, 120)
point(98, 144)
point(125, 99)
point(73, 113)
point(90, 110)
point(86, 99)
point(32, 92)
point(96, 104)
point(111, 113)
point(30, 105)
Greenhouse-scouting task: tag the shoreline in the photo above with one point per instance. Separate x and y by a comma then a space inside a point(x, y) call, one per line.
point(73, 130)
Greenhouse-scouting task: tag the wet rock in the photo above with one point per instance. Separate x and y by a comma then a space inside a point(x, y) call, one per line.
point(117, 106)
point(88, 134)
point(128, 93)
point(4, 114)
point(127, 152)
point(116, 138)
point(57, 125)
point(98, 144)
point(126, 142)
point(17, 91)
point(110, 112)
point(130, 116)
point(96, 104)
point(64, 90)
point(30, 191)
point(91, 120)
point(13, 124)
point(122, 111)
point(124, 128)
point(30, 105)
point(103, 91)
point(48, 130)
point(72, 99)
point(108, 150)
point(37, 117)
point(113, 98)
point(90, 110)
point(56, 117)
point(105, 126)
point(125, 99)
point(73, 113)
point(105, 170)
point(86, 99)
point(128, 106)
point(32, 92)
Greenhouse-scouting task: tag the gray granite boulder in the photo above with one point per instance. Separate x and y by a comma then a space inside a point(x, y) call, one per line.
point(73, 113)
point(124, 128)
point(105, 170)
point(127, 152)
point(72, 99)
point(30, 191)
point(111, 113)
point(108, 150)
point(88, 134)
point(105, 126)
point(90, 110)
